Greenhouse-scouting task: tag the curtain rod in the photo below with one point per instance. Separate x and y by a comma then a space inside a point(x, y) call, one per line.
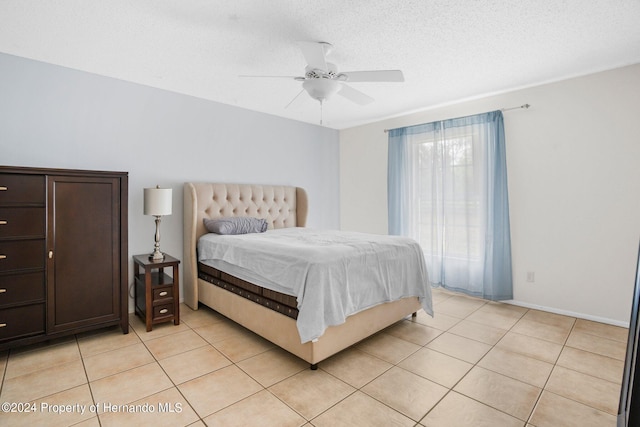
point(525, 106)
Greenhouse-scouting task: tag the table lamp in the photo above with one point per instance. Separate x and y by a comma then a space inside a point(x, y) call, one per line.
point(157, 202)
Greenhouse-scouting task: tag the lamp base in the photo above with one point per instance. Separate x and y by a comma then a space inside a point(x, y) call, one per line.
point(156, 255)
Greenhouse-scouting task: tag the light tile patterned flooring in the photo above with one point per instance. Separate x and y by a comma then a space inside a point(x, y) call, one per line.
point(477, 363)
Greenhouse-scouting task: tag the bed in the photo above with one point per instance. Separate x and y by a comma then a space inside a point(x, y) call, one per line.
point(269, 313)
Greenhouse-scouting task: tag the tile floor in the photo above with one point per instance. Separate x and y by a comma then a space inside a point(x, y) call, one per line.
point(476, 363)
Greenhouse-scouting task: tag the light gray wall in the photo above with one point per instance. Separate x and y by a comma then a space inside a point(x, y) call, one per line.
point(574, 188)
point(56, 117)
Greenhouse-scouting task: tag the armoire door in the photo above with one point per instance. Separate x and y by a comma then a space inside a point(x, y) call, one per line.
point(83, 252)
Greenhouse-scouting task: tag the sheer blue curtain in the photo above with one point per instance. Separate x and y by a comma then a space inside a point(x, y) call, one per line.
point(447, 189)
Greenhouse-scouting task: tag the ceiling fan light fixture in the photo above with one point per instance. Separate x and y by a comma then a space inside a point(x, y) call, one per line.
point(321, 79)
point(321, 89)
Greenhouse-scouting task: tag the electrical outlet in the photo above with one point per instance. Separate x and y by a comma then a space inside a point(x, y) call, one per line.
point(531, 276)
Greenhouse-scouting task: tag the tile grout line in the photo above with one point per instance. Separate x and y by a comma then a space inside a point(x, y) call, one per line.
point(555, 363)
point(393, 365)
point(450, 389)
point(4, 371)
point(144, 342)
point(542, 389)
point(86, 374)
point(476, 364)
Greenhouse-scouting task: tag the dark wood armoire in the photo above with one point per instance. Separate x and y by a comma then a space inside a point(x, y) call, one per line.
point(63, 253)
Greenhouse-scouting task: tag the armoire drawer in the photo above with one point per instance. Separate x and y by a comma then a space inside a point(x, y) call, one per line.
point(22, 222)
point(21, 288)
point(21, 321)
point(21, 254)
point(17, 188)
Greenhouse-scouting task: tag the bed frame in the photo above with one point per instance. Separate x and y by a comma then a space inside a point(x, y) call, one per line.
point(281, 206)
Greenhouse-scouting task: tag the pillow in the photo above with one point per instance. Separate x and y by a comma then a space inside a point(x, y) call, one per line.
point(236, 225)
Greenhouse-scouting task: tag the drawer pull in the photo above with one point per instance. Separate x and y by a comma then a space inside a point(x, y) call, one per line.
point(3, 222)
point(3, 257)
point(3, 325)
point(50, 254)
point(163, 293)
point(163, 311)
point(2, 291)
point(3, 188)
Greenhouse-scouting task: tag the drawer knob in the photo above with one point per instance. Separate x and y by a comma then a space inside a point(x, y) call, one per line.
point(2, 291)
point(3, 325)
point(3, 188)
point(3, 257)
point(163, 311)
point(163, 293)
point(3, 222)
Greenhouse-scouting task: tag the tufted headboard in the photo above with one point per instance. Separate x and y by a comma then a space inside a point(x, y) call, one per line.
point(282, 206)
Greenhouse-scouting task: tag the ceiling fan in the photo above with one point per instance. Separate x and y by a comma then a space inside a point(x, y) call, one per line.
point(322, 79)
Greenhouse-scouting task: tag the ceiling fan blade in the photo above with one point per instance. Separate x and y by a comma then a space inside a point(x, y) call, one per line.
point(273, 77)
point(355, 95)
point(294, 98)
point(374, 76)
point(314, 54)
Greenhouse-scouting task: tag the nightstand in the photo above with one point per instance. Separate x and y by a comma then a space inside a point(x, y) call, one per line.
point(157, 295)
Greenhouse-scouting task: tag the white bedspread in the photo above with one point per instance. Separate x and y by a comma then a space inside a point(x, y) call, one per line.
point(333, 274)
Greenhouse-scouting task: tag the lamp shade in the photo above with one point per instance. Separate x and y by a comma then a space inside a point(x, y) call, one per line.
point(157, 201)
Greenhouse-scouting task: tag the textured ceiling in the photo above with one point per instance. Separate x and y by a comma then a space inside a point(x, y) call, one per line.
point(449, 50)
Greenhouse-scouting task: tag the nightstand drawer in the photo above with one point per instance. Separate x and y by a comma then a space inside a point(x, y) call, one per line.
point(163, 310)
point(21, 288)
point(22, 222)
point(162, 293)
point(21, 321)
point(21, 254)
point(16, 188)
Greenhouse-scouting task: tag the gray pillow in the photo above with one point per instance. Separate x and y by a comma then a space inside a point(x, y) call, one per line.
point(236, 225)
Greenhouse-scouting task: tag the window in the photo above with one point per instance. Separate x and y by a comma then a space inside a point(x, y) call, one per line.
point(460, 200)
point(443, 178)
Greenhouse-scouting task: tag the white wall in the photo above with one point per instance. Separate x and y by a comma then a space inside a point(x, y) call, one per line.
point(573, 163)
point(55, 117)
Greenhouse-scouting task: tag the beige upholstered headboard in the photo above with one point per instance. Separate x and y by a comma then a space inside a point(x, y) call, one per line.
point(282, 206)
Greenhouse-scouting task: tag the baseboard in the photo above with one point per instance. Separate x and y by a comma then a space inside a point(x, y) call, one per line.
point(569, 313)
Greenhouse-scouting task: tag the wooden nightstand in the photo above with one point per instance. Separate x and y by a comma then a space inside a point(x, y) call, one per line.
point(157, 295)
